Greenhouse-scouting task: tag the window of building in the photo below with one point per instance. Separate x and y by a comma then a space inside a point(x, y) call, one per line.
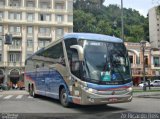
point(30, 17)
point(157, 29)
point(44, 17)
point(30, 30)
point(70, 6)
point(44, 30)
point(48, 17)
point(146, 60)
point(43, 43)
point(2, 3)
point(59, 32)
point(30, 4)
point(11, 29)
point(14, 57)
point(29, 43)
point(1, 15)
point(1, 29)
point(1, 44)
point(15, 16)
point(18, 16)
point(44, 5)
point(11, 16)
point(16, 42)
point(59, 18)
point(14, 29)
point(59, 6)
point(18, 29)
point(131, 59)
point(41, 17)
point(70, 18)
point(15, 3)
point(156, 61)
point(0, 57)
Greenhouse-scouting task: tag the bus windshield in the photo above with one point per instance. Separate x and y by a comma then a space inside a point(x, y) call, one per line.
point(106, 63)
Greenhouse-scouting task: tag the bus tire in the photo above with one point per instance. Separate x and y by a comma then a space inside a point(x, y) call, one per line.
point(64, 98)
point(29, 89)
point(33, 92)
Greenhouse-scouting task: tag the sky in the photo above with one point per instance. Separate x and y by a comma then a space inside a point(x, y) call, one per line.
point(142, 6)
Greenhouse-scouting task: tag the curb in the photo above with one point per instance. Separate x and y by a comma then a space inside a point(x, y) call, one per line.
point(146, 94)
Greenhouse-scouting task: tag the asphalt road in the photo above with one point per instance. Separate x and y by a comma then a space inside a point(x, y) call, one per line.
point(42, 107)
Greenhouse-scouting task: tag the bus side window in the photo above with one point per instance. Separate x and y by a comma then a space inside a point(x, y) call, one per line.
point(74, 63)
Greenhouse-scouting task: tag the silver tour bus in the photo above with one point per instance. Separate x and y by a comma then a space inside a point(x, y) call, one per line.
point(81, 68)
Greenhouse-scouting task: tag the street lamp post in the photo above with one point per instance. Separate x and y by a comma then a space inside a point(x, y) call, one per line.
point(122, 21)
point(143, 45)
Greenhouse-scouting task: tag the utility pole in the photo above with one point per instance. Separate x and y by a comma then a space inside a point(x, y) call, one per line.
point(143, 45)
point(122, 21)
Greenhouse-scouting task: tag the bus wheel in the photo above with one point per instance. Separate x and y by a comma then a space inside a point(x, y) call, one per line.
point(33, 92)
point(29, 89)
point(64, 98)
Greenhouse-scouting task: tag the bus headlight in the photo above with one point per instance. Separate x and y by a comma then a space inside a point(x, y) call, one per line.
point(89, 90)
point(129, 89)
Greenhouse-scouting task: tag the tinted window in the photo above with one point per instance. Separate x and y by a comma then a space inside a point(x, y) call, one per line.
point(54, 54)
point(68, 43)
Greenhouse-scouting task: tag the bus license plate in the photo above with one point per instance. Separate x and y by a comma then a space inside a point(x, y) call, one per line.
point(113, 100)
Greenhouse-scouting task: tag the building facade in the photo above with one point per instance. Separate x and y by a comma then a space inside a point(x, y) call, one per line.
point(151, 60)
point(154, 27)
point(33, 24)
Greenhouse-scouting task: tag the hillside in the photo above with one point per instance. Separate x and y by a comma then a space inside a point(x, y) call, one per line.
point(107, 20)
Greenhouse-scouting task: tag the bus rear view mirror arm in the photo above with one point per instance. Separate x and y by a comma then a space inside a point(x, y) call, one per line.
point(79, 50)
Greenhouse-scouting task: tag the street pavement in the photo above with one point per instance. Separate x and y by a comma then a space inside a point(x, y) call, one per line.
point(25, 106)
point(23, 92)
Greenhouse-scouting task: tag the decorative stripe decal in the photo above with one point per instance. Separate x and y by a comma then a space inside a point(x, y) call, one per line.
point(52, 93)
point(108, 87)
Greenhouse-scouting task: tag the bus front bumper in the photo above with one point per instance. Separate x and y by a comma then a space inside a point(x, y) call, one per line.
point(95, 99)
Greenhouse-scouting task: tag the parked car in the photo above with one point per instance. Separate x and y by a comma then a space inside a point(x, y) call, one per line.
point(142, 84)
point(155, 83)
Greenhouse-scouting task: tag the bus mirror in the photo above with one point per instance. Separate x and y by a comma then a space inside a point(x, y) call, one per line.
point(79, 50)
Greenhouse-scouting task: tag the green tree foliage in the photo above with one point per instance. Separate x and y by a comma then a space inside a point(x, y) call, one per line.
point(89, 17)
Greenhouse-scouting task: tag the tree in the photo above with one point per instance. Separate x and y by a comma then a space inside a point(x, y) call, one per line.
point(84, 22)
point(107, 20)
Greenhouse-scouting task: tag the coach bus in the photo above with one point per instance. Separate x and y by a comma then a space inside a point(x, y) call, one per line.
point(81, 68)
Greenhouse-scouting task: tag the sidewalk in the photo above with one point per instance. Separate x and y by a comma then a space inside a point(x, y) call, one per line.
point(140, 92)
point(145, 94)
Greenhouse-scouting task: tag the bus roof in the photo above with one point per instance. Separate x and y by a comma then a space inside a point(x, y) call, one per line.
point(88, 36)
point(93, 36)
